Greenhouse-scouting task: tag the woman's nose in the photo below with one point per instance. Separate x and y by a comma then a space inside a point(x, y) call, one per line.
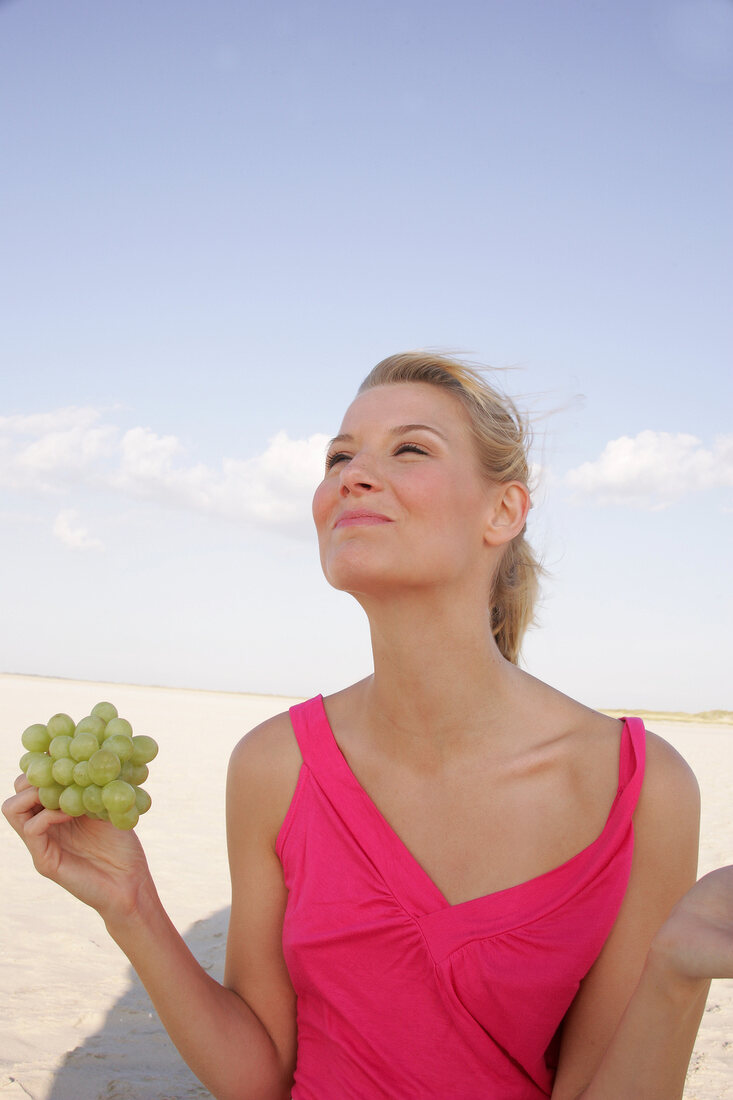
point(358, 475)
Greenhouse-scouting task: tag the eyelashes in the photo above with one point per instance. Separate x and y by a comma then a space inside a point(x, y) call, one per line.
point(341, 456)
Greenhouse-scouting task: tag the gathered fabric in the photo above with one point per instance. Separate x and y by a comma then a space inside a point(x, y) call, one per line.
point(402, 995)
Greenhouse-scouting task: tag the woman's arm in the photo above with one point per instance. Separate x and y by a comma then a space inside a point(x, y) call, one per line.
point(649, 1054)
point(220, 1030)
point(631, 1029)
point(215, 1029)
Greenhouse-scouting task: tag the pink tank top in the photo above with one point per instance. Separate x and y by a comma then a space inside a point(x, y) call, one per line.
point(401, 995)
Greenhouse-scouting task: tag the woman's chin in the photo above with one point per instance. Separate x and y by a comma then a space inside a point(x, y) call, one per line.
point(359, 578)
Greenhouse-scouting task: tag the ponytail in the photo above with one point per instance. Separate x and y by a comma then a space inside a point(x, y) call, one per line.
point(513, 596)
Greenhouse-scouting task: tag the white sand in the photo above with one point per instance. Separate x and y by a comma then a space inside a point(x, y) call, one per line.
point(75, 1022)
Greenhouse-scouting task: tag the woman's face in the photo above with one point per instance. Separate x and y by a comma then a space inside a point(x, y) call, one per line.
point(403, 501)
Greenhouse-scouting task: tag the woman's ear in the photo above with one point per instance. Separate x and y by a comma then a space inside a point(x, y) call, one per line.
point(508, 513)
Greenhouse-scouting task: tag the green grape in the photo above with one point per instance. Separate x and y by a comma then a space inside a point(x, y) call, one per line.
point(82, 778)
point(143, 801)
point(59, 747)
point(104, 766)
point(27, 759)
point(105, 711)
point(71, 801)
point(92, 724)
point(83, 745)
point(120, 745)
point(92, 799)
point(50, 795)
point(144, 749)
point(118, 725)
point(61, 724)
point(94, 767)
point(39, 772)
point(126, 820)
point(36, 738)
point(118, 797)
point(63, 771)
point(134, 773)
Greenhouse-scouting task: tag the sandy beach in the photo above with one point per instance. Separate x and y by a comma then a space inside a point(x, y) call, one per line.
point(74, 1020)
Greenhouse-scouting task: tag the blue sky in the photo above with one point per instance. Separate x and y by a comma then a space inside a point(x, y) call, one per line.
point(218, 216)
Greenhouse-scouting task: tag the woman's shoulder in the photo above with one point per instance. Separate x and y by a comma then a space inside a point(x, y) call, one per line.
point(271, 744)
point(263, 771)
point(593, 740)
point(670, 795)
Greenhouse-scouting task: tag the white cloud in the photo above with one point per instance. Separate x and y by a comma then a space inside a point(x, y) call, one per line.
point(653, 469)
point(44, 451)
point(40, 424)
point(271, 489)
point(272, 486)
point(74, 449)
point(67, 530)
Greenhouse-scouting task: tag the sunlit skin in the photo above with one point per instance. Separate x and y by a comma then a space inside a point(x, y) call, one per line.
point(421, 573)
point(404, 504)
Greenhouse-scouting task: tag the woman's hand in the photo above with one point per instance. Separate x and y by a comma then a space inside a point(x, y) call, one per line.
point(103, 866)
point(695, 943)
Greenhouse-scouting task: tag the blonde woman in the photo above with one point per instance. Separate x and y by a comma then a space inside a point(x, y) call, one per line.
point(449, 879)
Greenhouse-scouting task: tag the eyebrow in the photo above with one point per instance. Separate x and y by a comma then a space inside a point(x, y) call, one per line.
point(399, 429)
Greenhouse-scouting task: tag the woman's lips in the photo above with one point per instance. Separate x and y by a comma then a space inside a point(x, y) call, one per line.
point(361, 518)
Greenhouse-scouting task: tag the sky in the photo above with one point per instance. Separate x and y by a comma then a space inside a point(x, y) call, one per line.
point(218, 216)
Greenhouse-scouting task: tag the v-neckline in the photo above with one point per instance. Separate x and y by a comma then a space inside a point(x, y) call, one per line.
point(411, 867)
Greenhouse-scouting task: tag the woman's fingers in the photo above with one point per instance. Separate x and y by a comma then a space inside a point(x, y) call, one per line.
point(100, 865)
point(41, 822)
point(30, 821)
point(21, 807)
point(26, 814)
point(697, 937)
point(23, 795)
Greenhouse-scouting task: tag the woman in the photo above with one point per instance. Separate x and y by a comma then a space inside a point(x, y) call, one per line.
point(438, 861)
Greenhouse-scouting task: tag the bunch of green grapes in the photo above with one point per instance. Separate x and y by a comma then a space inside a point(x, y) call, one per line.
point(94, 767)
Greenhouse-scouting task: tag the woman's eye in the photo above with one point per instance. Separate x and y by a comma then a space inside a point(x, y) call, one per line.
point(342, 456)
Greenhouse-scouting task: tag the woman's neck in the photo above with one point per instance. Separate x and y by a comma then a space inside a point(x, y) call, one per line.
point(438, 674)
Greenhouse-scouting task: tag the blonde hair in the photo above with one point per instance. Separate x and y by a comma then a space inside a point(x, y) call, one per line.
point(502, 438)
